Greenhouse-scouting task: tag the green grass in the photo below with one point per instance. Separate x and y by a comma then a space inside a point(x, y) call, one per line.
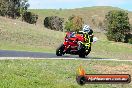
point(24, 36)
point(22, 47)
point(51, 73)
point(17, 35)
point(109, 49)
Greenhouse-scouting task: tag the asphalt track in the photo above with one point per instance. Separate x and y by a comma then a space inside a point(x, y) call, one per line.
point(9, 54)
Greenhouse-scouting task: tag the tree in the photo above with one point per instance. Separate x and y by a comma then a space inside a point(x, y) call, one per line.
point(74, 23)
point(24, 6)
point(117, 25)
point(54, 23)
point(13, 8)
point(68, 26)
point(30, 17)
point(3, 7)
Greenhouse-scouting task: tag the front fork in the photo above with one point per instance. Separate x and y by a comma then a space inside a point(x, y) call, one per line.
point(66, 46)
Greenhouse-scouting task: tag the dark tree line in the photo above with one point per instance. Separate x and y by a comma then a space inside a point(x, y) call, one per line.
point(17, 8)
point(13, 8)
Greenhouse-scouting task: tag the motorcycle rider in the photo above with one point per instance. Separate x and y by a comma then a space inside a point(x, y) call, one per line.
point(87, 29)
point(87, 32)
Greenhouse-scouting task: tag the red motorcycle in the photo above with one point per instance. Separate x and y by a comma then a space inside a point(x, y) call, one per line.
point(76, 44)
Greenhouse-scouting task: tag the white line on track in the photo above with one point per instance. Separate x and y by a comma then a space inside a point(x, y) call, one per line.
point(29, 58)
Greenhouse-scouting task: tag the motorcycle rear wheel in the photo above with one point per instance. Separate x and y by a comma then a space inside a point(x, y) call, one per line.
point(82, 53)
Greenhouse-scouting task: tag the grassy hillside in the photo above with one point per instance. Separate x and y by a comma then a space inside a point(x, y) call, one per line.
point(88, 14)
point(17, 35)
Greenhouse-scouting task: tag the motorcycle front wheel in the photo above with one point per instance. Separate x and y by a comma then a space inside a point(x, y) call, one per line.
point(59, 50)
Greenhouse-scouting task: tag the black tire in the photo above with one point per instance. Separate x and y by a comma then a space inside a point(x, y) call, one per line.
point(59, 50)
point(82, 53)
point(89, 50)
